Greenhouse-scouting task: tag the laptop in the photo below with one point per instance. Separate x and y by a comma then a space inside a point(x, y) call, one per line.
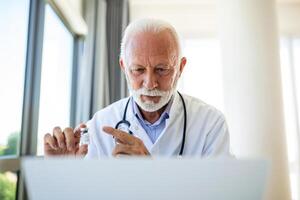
point(146, 179)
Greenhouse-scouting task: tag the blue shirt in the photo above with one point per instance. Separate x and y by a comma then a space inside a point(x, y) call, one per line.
point(153, 130)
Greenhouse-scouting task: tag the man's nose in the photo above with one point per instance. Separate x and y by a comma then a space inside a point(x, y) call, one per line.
point(150, 81)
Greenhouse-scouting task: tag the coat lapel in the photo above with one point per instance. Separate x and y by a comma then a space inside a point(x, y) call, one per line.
point(169, 141)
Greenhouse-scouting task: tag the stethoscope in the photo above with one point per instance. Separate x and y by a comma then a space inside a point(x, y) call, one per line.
point(124, 124)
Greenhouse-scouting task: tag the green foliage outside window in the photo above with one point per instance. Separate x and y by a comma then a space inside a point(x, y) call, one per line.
point(7, 188)
point(12, 145)
point(2, 148)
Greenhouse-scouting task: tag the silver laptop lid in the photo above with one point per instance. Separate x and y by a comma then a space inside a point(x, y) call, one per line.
point(147, 179)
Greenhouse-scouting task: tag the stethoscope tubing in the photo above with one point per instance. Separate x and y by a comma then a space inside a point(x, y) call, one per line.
point(124, 121)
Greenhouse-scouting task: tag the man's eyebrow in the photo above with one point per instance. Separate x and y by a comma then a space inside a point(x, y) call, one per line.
point(135, 65)
point(162, 65)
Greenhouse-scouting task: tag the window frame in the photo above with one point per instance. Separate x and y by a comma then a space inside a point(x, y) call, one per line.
point(293, 166)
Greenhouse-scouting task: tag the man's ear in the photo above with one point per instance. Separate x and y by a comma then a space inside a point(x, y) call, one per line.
point(122, 64)
point(182, 64)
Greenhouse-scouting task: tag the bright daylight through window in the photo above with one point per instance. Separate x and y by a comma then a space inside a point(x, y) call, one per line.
point(14, 20)
point(55, 96)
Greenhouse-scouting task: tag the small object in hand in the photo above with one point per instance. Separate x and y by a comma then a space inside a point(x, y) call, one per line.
point(84, 136)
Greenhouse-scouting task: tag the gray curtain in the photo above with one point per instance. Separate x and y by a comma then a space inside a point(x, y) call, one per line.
point(100, 79)
point(117, 18)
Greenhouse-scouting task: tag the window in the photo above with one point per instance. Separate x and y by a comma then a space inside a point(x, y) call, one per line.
point(290, 67)
point(13, 40)
point(46, 92)
point(55, 94)
point(14, 17)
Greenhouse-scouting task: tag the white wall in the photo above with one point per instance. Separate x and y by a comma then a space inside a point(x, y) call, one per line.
point(289, 18)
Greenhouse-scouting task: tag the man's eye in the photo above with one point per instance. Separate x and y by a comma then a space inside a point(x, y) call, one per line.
point(138, 70)
point(162, 71)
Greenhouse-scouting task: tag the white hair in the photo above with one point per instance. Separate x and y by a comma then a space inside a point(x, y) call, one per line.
point(148, 25)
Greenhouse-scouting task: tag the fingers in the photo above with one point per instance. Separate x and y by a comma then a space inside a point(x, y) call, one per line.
point(64, 142)
point(49, 140)
point(63, 139)
point(122, 149)
point(82, 151)
point(70, 138)
point(121, 136)
point(59, 136)
point(125, 149)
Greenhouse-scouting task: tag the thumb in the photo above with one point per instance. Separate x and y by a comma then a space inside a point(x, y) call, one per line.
point(82, 150)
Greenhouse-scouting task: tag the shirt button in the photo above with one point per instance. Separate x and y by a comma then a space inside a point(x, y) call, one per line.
point(136, 128)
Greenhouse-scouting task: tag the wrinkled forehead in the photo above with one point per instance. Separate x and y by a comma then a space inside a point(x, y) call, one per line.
point(160, 45)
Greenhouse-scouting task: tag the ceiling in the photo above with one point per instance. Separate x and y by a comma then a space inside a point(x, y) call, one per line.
point(204, 14)
point(201, 2)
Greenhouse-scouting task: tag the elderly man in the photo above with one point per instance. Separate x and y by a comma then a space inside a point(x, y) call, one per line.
point(156, 119)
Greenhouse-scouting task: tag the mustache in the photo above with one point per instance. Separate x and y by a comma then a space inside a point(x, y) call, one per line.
point(147, 92)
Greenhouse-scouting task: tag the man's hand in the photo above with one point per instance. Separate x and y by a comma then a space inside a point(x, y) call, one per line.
point(126, 143)
point(64, 142)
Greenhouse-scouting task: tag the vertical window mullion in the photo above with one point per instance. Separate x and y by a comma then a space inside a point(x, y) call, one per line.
point(32, 78)
point(32, 85)
point(78, 42)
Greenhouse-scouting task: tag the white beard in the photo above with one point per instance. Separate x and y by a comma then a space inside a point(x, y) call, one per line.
point(150, 106)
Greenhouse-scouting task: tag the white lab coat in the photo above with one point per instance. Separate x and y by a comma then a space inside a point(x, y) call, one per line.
point(206, 131)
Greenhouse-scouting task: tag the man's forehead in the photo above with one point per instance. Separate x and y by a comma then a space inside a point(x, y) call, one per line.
point(153, 59)
point(160, 54)
point(151, 44)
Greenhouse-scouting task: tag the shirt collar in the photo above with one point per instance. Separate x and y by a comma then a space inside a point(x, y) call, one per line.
point(164, 115)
